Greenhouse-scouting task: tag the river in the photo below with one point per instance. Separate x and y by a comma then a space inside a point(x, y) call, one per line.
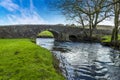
point(84, 61)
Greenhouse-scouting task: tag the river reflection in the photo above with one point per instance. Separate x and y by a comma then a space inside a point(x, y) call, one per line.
point(47, 43)
point(85, 61)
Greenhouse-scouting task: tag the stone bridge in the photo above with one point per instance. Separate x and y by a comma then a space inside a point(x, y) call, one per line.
point(61, 33)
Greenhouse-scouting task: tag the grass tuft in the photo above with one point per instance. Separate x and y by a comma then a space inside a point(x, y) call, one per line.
point(45, 34)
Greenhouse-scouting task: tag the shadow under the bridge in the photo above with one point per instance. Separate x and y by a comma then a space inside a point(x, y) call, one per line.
point(73, 38)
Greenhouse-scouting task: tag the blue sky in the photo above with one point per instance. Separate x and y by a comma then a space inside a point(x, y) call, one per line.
point(30, 12)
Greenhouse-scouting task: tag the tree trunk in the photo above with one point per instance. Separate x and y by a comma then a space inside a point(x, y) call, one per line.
point(114, 37)
point(84, 31)
point(91, 32)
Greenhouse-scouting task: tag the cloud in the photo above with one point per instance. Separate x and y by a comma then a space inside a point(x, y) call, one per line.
point(31, 5)
point(108, 22)
point(25, 16)
point(9, 5)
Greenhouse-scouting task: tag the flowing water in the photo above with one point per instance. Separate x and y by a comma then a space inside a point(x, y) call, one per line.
point(84, 61)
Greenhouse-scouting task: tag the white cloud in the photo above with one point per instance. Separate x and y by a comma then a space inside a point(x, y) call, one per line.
point(108, 22)
point(9, 5)
point(31, 5)
point(26, 16)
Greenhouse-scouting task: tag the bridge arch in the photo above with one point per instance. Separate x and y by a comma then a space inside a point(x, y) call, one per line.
point(55, 33)
point(72, 38)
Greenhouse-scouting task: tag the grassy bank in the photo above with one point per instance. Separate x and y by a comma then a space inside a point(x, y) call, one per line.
point(45, 34)
point(20, 59)
point(106, 40)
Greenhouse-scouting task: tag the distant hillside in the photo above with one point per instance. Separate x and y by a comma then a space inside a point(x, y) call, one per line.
point(108, 27)
point(105, 27)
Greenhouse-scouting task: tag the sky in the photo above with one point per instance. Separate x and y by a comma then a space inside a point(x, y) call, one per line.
point(31, 12)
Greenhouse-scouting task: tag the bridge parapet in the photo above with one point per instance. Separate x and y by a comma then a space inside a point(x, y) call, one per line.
point(61, 33)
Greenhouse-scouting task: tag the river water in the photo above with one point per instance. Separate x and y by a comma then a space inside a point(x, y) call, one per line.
point(84, 61)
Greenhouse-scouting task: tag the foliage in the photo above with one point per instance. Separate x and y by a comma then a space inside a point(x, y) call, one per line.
point(45, 34)
point(85, 12)
point(20, 59)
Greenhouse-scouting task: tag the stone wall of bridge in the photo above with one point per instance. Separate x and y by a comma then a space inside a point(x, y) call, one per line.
point(61, 33)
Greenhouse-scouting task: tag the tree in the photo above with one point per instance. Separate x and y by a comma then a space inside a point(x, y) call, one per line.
point(115, 31)
point(85, 12)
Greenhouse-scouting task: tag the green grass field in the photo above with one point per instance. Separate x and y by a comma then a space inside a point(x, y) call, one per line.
point(20, 59)
point(45, 34)
point(108, 38)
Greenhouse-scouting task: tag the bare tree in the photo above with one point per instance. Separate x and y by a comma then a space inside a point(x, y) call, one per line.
point(115, 31)
point(85, 12)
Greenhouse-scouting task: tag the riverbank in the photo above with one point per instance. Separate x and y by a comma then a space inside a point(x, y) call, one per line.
point(106, 41)
point(20, 59)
